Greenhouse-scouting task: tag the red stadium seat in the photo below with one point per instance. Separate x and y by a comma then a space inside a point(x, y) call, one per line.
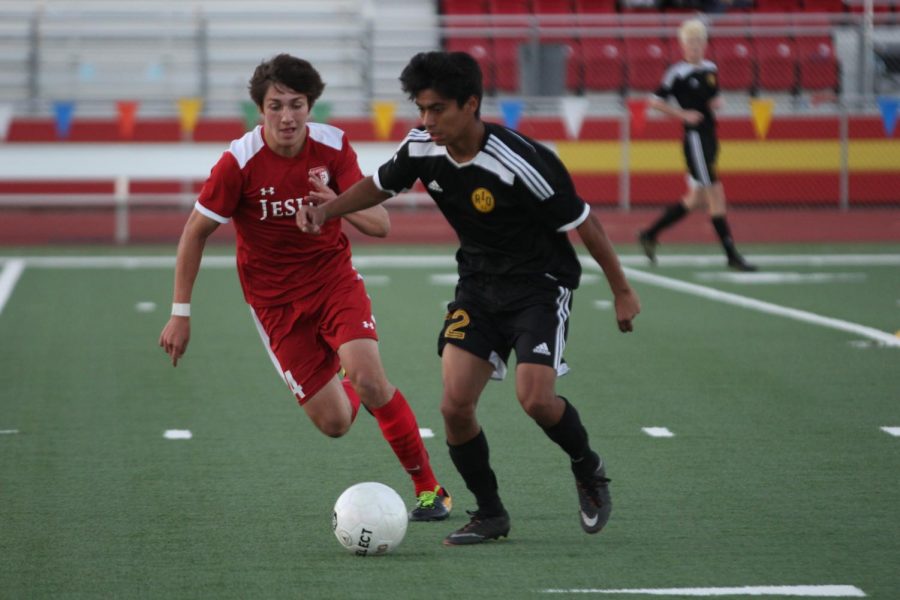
point(553, 7)
point(817, 64)
point(646, 60)
point(777, 6)
point(506, 64)
point(481, 50)
point(823, 6)
point(510, 7)
point(603, 64)
point(735, 60)
point(464, 7)
point(595, 6)
point(776, 63)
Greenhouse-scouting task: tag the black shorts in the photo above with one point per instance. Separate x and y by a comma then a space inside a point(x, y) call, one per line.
point(701, 149)
point(491, 320)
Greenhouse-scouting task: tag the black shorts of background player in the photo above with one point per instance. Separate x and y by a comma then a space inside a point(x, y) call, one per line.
point(693, 82)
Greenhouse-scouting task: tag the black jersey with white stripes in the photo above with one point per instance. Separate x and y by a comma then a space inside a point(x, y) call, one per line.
point(692, 86)
point(511, 205)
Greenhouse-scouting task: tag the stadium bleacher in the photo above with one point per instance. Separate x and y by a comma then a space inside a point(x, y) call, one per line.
point(781, 46)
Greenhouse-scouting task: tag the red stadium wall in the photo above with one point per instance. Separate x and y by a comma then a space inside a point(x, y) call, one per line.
point(747, 184)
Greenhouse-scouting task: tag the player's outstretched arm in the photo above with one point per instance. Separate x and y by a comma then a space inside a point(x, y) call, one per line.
point(361, 195)
point(627, 303)
point(691, 117)
point(372, 221)
point(177, 332)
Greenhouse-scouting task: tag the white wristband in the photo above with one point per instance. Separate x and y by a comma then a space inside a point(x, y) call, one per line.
point(181, 309)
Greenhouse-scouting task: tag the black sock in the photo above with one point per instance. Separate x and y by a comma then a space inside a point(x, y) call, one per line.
point(472, 460)
point(724, 233)
point(572, 437)
point(670, 216)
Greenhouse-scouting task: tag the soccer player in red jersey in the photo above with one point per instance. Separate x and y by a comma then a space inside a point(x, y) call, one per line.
point(309, 303)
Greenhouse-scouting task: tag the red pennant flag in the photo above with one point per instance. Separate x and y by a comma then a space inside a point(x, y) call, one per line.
point(127, 109)
point(637, 108)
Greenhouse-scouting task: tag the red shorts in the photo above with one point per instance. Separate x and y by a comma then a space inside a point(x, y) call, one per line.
point(303, 336)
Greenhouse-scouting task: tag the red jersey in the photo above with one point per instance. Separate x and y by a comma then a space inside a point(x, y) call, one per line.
point(260, 191)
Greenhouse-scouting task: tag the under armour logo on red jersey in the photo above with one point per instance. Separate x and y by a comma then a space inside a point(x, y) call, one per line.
point(269, 190)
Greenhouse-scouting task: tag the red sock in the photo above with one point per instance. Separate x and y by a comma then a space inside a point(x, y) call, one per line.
point(354, 398)
point(399, 427)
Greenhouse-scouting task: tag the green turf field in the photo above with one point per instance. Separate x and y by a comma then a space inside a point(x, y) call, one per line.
point(778, 472)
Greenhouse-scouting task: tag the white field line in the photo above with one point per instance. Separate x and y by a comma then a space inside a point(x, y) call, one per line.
point(432, 261)
point(9, 276)
point(894, 431)
point(658, 432)
point(881, 337)
point(808, 591)
point(447, 260)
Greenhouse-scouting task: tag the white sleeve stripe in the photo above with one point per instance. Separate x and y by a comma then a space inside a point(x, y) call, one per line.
point(524, 169)
point(576, 222)
point(210, 214)
point(530, 176)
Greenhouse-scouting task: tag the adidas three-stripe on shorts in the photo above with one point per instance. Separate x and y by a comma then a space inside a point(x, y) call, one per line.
point(493, 315)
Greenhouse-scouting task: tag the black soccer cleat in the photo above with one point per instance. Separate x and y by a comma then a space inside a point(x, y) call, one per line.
point(432, 506)
point(648, 244)
point(479, 529)
point(594, 500)
point(738, 263)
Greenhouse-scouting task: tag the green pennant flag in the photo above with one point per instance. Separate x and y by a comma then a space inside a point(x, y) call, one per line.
point(251, 114)
point(321, 112)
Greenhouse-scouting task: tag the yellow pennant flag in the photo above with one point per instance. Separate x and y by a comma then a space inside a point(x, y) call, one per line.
point(762, 115)
point(383, 118)
point(188, 112)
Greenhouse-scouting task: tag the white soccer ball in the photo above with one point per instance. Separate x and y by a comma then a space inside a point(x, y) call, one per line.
point(370, 519)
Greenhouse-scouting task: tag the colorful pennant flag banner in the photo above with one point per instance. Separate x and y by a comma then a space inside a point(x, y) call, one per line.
point(321, 112)
point(761, 110)
point(888, 107)
point(573, 110)
point(637, 110)
point(63, 110)
point(188, 113)
point(512, 112)
point(251, 114)
point(126, 110)
point(383, 118)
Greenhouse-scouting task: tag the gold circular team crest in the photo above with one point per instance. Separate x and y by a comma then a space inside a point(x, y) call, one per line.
point(483, 200)
point(711, 79)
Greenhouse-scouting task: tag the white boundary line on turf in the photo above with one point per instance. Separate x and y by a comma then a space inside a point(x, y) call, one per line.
point(9, 277)
point(879, 336)
point(809, 591)
point(447, 260)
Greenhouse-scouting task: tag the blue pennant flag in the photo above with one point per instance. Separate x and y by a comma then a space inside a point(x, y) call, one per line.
point(512, 112)
point(888, 107)
point(63, 110)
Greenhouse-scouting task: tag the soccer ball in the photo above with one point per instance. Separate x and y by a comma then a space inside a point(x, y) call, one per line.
point(369, 519)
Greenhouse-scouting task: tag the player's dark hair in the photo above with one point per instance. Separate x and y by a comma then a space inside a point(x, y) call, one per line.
point(289, 71)
point(454, 75)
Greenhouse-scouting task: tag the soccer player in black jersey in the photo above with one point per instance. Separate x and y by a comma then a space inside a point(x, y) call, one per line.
point(512, 203)
point(694, 84)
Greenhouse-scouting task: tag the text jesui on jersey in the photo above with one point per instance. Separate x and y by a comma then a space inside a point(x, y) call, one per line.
point(260, 192)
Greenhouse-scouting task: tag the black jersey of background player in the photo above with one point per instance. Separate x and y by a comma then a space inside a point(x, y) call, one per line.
point(511, 205)
point(692, 86)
